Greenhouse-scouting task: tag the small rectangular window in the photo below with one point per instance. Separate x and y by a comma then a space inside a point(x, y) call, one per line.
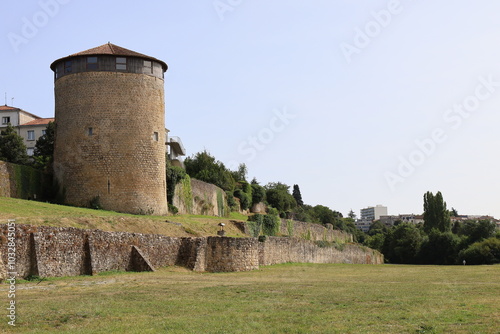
point(90, 131)
point(5, 120)
point(30, 151)
point(68, 66)
point(31, 134)
point(148, 66)
point(155, 136)
point(121, 63)
point(92, 63)
point(44, 132)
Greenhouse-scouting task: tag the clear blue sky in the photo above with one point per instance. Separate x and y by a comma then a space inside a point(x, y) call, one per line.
point(358, 102)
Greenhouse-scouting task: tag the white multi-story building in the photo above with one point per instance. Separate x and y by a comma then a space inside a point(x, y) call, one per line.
point(29, 126)
point(373, 213)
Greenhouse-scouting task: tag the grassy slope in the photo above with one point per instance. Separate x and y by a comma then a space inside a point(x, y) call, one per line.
point(291, 298)
point(38, 213)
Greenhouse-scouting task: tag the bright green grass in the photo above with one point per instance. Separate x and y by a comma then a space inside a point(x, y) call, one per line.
point(291, 298)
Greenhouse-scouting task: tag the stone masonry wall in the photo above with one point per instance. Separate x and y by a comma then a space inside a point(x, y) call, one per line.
point(231, 254)
point(207, 199)
point(65, 251)
point(5, 184)
point(314, 232)
point(276, 250)
point(110, 141)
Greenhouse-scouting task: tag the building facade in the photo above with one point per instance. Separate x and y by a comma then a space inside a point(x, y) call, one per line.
point(98, 156)
point(29, 126)
point(373, 212)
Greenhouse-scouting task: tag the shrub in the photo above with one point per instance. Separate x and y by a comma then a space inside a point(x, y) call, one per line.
point(483, 252)
point(271, 225)
point(254, 224)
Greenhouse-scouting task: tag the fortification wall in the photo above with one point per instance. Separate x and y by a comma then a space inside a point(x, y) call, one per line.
point(24, 182)
point(314, 232)
point(65, 251)
point(231, 254)
point(205, 199)
point(5, 189)
point(276, 250)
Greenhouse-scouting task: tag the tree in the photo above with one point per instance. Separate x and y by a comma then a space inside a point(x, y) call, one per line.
point(12, 148)
point(44, 147)
point(402, 244)
point(204, 167)
point(436, 216)
point(439, 248)
point(258, 193)
point(278, 196)
point(483, 252)
point(477, 230)
point(296, 194)
point(352, 214)
point(377, 227)
point(241, 173)
point(453, 212)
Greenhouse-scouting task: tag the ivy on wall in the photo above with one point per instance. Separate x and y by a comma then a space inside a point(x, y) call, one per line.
point(30, 183)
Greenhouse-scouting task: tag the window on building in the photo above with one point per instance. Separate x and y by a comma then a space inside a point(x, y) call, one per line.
point(121, 63)
point(5, 120)
point(56, 73)
point(30, 151)
point(44, 132)
point(148, 66)
point(155, 136)
point(92, 63)
point(31, 134)
point(68, 66)
point(90, 131)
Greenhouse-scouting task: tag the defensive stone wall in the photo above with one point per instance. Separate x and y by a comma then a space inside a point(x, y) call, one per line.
point(276, 250)
point(204, 199)
point(314, 232)
point(231, 254)
point(24, 182)
point(65, 251)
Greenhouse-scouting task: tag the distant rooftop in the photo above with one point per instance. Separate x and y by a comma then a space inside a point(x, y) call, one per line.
point(40, 121)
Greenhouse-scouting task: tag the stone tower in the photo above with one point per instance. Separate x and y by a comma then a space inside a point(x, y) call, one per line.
point(110, 130)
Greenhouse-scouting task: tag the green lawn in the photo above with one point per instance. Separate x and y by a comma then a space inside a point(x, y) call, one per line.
point(290, 298)
point(39, 213)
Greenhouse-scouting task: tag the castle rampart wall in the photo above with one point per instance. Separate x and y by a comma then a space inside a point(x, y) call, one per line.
point(65, 251)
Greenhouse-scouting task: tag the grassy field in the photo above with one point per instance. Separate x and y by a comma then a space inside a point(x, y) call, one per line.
point(290, 298)
point(38, 213)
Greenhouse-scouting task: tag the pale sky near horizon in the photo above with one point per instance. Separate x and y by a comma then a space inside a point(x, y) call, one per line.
point(358, 102)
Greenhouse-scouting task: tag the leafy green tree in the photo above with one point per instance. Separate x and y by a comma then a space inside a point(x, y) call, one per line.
point(204, 167)
point(44, 147)
point(440, 248)
point(477, 230)
point(244, 194)
point(352, 214)
point(453, 212)
point(258, 193)
point(377, 227)
point(436, 216)
point(279, 197)
point(12, 148)
point(241, 173)
point(483, 252)
point(296, 194)
point(402, 244)
point(375, 241)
